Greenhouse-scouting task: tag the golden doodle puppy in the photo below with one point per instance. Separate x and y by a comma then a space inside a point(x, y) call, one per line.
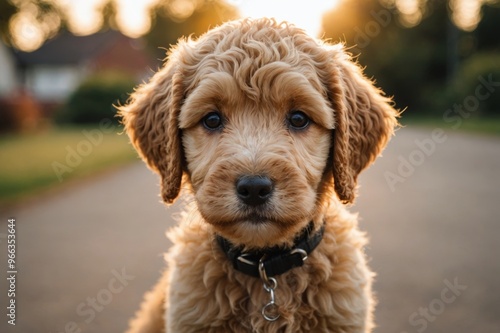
point(267, 129)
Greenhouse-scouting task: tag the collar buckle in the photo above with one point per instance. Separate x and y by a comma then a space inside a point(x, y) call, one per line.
point(244, 258)
point(302, 252)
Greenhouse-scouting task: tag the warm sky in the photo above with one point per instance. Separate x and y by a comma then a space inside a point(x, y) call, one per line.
point(133, 19)
point(132, 14)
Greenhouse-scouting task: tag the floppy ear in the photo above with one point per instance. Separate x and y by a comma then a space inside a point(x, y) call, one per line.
point(364, 122)
point(151, 121)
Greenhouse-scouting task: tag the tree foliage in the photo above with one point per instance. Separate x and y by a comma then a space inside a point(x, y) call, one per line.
point(417, 65)
point(168, 22)
point(167, 28)
point(7, 10)
point(96, 97)
point(47, 17)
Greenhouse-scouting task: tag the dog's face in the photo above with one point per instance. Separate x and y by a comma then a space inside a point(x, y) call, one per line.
point(255, 164)
point(262, 121)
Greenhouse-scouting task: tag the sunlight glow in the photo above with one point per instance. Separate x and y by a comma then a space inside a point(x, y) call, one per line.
point(84, 16)
point(304, 14)
point(180, 10)
point(133, 17)
point(27, 35)
point(411, 12)
point(466, 13)
point(30, 29)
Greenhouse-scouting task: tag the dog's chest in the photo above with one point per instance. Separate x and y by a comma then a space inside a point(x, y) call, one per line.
point(207, 295)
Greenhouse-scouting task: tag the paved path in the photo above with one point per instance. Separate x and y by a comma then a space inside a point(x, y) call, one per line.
point(87, 254)
point(441, 224)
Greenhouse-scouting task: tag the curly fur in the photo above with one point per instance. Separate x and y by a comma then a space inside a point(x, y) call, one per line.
point(254, 72)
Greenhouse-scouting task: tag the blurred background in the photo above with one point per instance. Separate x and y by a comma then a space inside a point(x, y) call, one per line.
point(87, 209)
point(65, 63)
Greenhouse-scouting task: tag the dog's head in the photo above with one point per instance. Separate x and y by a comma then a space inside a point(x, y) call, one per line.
point(262, 121)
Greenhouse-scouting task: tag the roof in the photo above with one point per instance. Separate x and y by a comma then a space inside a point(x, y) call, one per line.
point(68, 49)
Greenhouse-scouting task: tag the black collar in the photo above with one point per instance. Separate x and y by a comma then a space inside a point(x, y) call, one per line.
point(275, 260)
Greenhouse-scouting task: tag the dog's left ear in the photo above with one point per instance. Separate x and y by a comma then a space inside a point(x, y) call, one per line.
point(364, 121)
point(151, 121)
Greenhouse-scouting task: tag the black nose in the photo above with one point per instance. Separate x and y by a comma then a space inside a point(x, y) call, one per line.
point(254, 190)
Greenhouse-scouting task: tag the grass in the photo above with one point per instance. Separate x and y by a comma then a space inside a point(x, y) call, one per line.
point(32, 163)
point(490, 126)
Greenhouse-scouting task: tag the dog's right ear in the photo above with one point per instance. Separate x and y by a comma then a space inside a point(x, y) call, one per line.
point(150, 118)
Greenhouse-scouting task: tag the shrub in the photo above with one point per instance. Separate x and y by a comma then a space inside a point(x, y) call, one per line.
point(481, 65)
point(95, 98)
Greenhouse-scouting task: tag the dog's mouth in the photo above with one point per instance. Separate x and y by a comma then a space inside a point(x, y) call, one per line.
point(252, 219)
point(256, 230)
point(260, 217)
point(256, 218)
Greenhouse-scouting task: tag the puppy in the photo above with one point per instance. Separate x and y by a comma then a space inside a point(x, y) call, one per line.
point(267, 129)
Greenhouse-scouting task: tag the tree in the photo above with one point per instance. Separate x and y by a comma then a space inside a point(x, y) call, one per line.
point(7, 10)
point(485, 37)
point(172, 19)
point(412, 62)
point(168, 28)
point(44, 17)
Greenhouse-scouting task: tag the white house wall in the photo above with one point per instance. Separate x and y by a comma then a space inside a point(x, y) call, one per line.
point(53, 83)
point(8, 79)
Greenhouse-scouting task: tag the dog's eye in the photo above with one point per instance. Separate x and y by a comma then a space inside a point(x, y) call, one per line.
point(212, 121)
point(298, 120)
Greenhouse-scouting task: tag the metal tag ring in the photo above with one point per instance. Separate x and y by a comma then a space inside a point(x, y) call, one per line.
point(270, 312)
point(270, 285)
point(302, 252)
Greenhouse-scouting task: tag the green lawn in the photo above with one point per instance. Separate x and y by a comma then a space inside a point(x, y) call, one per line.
point(32, 163)
point(490, 126)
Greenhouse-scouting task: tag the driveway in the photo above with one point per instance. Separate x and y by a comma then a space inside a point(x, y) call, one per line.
point(431, 207)
point(434, 232)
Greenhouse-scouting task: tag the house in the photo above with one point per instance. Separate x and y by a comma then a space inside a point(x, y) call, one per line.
point(33, 84)
point(56, 69)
